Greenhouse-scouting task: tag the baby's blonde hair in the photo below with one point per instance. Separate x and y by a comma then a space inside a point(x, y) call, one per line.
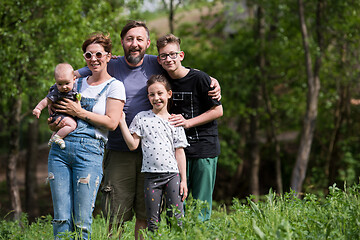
point(63, 68)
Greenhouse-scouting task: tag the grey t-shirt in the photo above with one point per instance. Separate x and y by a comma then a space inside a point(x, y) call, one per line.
point(134, 80)
point(159, 139)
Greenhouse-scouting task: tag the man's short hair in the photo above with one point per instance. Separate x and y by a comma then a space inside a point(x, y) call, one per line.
point(133, 24)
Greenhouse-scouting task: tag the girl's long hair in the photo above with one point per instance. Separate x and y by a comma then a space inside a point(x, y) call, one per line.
point(163, 80)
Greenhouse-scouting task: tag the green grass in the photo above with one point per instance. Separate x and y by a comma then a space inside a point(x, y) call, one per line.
point(336, 216)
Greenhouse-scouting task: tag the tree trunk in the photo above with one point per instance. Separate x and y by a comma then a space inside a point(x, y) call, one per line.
point(254, 118)
point(255, 160)
point(340, 113)
point(171, 16)
point(254, 145)
point(233, 187)
point(31, 196)
point(313, 84)
point(343, 90)
point(267, 101)
point(13, 188)
point(273, 138)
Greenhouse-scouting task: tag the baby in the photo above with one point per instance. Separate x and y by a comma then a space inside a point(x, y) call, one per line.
point(63, 88)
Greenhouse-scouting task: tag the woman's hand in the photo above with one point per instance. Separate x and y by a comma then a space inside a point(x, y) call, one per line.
point(56, 125)
point(68, 106)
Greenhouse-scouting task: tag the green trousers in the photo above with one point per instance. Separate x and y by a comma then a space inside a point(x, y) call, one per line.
point(201, 174)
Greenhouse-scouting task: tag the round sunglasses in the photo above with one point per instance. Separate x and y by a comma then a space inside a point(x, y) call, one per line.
point(98, 55)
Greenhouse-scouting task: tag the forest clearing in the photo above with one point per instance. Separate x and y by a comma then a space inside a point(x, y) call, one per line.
point(289, 74)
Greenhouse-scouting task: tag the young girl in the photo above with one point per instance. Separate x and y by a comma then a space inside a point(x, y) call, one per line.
point(163, 153)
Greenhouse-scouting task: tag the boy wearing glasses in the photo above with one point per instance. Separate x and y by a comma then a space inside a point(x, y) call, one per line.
point(197, 112)
point(63, 88)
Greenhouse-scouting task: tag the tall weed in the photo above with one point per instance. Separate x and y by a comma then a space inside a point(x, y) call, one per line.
point(336, 216)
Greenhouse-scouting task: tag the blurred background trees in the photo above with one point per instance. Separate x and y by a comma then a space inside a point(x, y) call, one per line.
point(256, 49)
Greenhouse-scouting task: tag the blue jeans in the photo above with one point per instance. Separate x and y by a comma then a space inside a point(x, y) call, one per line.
point(75, 174)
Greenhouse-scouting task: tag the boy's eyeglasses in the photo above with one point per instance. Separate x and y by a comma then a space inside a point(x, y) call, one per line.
point(172, 55)
point(98, 55)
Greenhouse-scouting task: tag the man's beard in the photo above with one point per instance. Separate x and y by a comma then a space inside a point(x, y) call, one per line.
point(134, 60)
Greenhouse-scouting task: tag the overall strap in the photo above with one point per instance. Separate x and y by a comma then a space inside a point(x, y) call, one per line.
point(104, 89)
point(79, 84)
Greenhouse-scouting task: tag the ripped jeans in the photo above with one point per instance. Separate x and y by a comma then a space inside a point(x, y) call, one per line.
point(75, 174)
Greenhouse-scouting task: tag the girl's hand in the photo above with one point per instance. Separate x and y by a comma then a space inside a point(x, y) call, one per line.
point(68, 106)
point(122, 119)
point(123, 116)
point(183, 190)
point(178, 121)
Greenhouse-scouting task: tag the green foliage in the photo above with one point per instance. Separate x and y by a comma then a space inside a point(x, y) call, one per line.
point(350, 171)
point(37, 35)
point(233, 58)
point(275, 217)
point(41, 229)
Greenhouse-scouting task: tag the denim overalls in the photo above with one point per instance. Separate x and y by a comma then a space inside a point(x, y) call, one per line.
point(75, 174)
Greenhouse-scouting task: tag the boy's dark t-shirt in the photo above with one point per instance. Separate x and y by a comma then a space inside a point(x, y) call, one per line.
point(190, 98)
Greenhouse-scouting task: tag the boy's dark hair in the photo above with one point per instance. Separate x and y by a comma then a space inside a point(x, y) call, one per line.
point(165, 40)
point(133, 24)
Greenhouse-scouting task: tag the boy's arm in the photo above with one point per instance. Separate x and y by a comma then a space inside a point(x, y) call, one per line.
point(132, 140)
point(40, 106)
point(181, 161)
point(213, 113)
